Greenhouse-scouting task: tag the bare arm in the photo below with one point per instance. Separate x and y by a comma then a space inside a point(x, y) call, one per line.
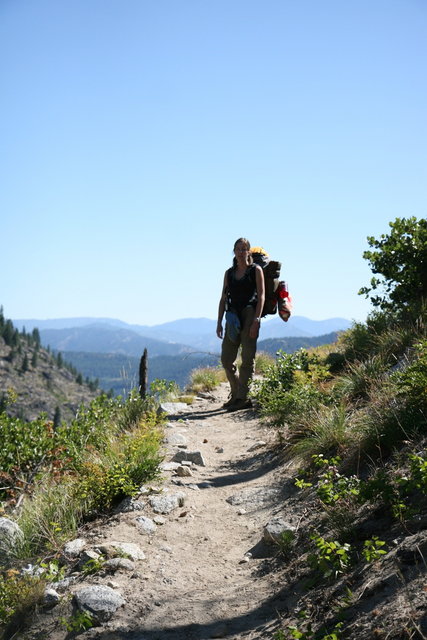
point(221, 308)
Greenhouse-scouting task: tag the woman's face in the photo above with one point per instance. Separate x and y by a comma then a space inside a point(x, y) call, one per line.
point(241, 250)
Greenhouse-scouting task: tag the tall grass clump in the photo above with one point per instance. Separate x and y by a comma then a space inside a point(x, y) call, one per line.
point(263, 362)
point(398, 411)
point(360, 378)
point(328, 430)
point(206, 378)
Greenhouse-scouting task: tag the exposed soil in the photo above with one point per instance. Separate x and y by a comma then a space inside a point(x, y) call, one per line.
point(209, 574)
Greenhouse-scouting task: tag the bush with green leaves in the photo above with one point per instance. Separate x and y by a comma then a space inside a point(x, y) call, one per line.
point(19, 594)
point(403, 493)
point(333, 486)
point(79, 621)
point(399, 259)
point(331, 558)
point(305, 631)
point(164, 389)
point(31, 448)
point(373, 549)
point(24, 444)
point(357, 342)
point(290, 387)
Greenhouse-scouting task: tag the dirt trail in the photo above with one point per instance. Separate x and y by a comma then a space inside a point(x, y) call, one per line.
point(197, 581)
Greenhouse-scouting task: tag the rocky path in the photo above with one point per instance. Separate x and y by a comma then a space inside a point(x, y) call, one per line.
point(207, 570)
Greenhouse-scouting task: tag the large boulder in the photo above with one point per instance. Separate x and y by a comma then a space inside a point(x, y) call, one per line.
point(192, 456)
point(11, 536)
point(73, 548)
point(167, 504)
point(276, 529)
point(99, 601)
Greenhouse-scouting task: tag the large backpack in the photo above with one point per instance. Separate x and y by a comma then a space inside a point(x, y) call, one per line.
point(277, 296)
point(271, 269)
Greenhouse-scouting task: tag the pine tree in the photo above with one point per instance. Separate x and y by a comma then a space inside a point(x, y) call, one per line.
point(34, 360)
point(36, 336)
point(8, 333)
point(57, 418)
point(25, 365)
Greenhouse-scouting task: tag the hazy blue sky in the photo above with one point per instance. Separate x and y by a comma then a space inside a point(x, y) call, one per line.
point(140, 138)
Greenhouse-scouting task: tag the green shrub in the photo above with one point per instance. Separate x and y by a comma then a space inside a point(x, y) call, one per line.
point(101, 486)
point(19, 594)
point(133, 410)
point(331, 558)
point(91, 471)
point(399, 258)
point(25, 444)
point(119, 471)
point(164, 389)
point(290, 388)
point(93, 426)
point(373, 549)
point(335, 362)
point(79, 621)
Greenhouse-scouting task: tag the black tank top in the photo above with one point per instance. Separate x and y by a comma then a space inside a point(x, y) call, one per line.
point(242, 293)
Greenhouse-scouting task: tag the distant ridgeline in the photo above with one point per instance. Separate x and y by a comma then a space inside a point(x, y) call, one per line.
point(119, 372)
point(289, 345)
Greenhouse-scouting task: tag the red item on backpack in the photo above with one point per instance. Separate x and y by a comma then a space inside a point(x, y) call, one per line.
point(284, 301)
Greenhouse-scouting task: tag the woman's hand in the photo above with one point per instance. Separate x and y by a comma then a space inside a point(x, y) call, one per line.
point(219, 331)
point(254, 328)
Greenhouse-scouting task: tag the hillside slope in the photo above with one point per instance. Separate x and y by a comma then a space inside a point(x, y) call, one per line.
point(33, 381)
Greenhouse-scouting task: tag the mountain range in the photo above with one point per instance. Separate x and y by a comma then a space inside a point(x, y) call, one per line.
point(108, 335)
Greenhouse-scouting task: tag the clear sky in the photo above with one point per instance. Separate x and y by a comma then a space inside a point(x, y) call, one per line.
point(140, 138)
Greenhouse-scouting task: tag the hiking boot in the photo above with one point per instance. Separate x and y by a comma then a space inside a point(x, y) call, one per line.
point(240, 403)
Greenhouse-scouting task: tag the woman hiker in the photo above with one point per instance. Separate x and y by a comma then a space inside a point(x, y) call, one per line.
point(242, 300)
